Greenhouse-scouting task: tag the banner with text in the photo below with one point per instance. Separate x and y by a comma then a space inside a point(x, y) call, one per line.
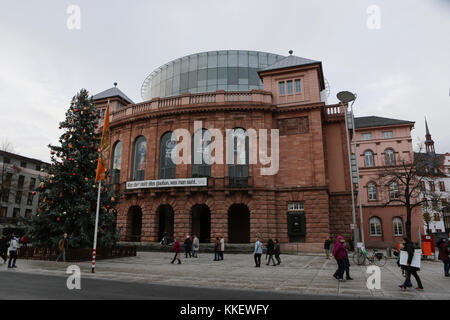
point(189, 182)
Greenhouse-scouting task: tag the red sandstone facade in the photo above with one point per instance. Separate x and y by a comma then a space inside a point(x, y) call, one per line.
point(311, 187)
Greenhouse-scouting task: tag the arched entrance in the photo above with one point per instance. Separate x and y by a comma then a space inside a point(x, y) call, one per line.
point(134, 223)
point(238, 223)
point(201, 222)
point(166, 221)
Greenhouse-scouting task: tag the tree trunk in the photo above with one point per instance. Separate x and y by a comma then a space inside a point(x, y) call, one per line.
point(408, 222)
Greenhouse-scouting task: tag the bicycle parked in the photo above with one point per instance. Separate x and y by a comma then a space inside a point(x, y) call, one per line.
point(377, 258)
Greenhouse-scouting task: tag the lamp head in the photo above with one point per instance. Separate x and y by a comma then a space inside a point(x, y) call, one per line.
point(346, 96)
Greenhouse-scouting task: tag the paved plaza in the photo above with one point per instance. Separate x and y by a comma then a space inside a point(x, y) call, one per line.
point(298, 274)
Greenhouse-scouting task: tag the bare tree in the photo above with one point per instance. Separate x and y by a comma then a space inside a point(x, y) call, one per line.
point(405, 180)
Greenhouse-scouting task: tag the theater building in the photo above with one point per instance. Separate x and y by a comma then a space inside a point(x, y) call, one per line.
point(305, 202)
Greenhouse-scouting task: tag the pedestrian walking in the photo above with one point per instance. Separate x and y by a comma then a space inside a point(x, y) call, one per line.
point(13, 246)
point(339, 253)
point(3, 248)
point(222, 247)
point(410, 270)
point(217, 249)
point(277, 251)
point(258, 252)
point(326, 247)
point(63, 246)
point(196, 246)
point(188, 247)
point(270, 251)
point(444, 256)
point(177, 250)
point(347, 262)
point(192, 244)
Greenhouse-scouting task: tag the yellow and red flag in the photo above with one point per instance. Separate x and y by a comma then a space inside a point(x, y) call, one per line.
point(104, 149)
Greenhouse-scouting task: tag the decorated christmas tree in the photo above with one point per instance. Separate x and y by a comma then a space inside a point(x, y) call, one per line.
point(68, 193)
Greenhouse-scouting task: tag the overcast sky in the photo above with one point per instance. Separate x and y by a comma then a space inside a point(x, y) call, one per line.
point(400, 70)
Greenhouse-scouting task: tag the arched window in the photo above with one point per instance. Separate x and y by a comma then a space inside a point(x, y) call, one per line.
point(375, 226)
point(238, 157)
point(116, 162)
point(167, 168)
point(368, 158)
point(390, 157)
point(393, 190)
point(372, 191)
point(201, 154)
point(139, 156)
point(398, 226)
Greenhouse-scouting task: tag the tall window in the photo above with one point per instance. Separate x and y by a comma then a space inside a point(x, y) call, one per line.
point(30, 199)
point(375, 226)
point(432, 186)
point(21, 181)
point(398, 226)
point(16, 212)
point(32, 183)
point(139, 156)
point(390, 157)
point(18, 197)
point(167, 169)
point(289, 86)
point(298, 86)
point(441, 186)
point(281, 87)
point(372, 191)
point(368, 158)
point(201, 154)
point(238, 169)
point(393, 190)
point(116, 162)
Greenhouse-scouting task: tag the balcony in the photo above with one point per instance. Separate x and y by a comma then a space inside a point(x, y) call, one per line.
point(218, 98)
point(334, 113)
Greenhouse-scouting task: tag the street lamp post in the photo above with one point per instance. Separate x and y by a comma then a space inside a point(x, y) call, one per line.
point(346, 97)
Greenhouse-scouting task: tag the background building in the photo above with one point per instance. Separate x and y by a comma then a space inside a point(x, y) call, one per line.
point(19, 176)
point(435, 187)
point(307, 201)
point(382, 143)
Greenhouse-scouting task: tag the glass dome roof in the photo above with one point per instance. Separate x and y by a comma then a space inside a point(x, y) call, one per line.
point(229, 70)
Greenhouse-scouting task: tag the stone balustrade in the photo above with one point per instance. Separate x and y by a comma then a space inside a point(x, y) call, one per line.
point(219, 97)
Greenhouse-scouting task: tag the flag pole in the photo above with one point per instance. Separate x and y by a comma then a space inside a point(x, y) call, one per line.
point(96, 227)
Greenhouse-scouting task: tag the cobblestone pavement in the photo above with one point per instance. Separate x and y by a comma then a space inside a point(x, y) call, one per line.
point(303, 274)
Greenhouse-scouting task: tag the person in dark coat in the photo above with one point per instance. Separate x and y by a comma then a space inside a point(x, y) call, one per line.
point(270, 252)
point(188, 247)
point(277, 251)
point(3, 248)
point(63, 247)
point(410, 270)
point(326, 247)
point(217, 249)
point(177, 250)
point(444, 256)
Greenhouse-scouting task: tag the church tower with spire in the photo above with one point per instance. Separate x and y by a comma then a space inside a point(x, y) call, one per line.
point(429, 143)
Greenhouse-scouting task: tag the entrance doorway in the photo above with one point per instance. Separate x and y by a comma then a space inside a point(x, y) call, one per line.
point(166, 221)
point(135, 223)
point(201, 222)
point(238, 223)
